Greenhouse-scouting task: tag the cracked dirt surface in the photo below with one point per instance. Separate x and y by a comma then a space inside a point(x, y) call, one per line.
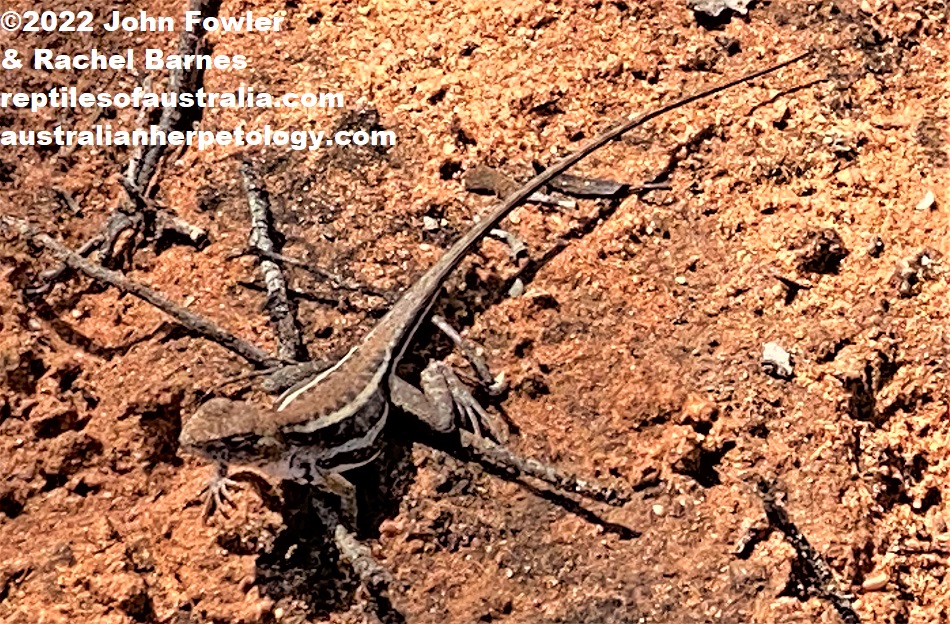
point(633, 351)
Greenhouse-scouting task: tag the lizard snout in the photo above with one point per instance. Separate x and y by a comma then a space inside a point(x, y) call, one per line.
point(216, 421)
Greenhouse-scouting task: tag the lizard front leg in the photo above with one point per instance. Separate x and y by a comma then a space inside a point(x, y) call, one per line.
point(299, 467)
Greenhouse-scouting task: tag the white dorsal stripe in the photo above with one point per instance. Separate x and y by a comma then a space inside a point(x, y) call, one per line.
point(351, 408)
point(291, 395)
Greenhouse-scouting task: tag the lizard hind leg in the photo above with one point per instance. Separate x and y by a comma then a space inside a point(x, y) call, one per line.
point(436, 413)
point(443, 395)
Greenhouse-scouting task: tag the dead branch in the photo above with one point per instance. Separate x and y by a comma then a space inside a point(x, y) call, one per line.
point(339, 282)
point(190, 320)
point(179, 81)
point(67, 198)
point(290, 345)
point(815, 570)
point(144, 165)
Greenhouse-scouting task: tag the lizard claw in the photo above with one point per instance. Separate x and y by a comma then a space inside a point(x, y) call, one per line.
point(216, 495)
point(473, 411)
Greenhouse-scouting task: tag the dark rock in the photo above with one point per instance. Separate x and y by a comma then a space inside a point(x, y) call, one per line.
point(822, 251)
point(912, 271)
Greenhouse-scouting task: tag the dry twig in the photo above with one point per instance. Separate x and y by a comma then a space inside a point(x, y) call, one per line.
point(290, 345)
point(190, 320)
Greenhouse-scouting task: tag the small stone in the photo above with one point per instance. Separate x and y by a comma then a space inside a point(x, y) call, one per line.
point(391, 528)
point(517, 288)
point(928, 202)
point(776, 361)
point(429, 224)
point(698, 410)
point(714, 8)
point(659, 509)
point(681, 280)
point(875, 247)
point(823, 251)
point(912, 271)
point(875, 582)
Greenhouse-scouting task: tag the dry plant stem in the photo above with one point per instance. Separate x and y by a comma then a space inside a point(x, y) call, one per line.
point(104, 241)
point(143, 166)
point(67, 198)
point(141, 122)
point(338, 280)
point(501, 457)
point(818, 571)
point(159, 220)
point(290, 345)
point(179, 81)
point(190, 320)
point(167, 222)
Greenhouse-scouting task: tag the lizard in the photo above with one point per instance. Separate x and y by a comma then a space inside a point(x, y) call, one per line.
point(332, 421)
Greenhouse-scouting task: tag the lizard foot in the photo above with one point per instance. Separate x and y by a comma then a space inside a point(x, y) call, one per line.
point(494, 385)
point(216, 495)
point(441, 374)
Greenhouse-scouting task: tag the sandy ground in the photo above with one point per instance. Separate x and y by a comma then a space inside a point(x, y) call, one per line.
point(633, 353)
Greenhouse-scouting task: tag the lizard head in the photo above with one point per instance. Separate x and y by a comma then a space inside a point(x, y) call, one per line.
point(228, 431)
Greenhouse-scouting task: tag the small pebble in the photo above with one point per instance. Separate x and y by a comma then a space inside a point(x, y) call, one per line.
point(875, 582)
point(659, 509)
point(681, 280)
point(928, 201)
point(776, 361)
point(876, 247)
point(517, 289)
point(429, 224)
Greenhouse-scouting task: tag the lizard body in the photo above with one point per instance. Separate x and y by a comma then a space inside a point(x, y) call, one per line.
point(332, 421)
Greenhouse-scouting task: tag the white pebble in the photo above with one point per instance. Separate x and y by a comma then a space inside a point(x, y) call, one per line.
point(927, 203)
point(875, 582)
